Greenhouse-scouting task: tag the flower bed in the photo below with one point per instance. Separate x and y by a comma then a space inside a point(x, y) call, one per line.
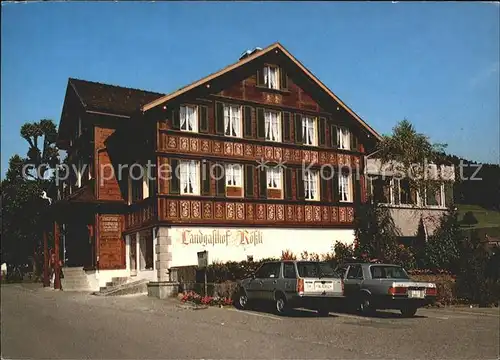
point(197, 299)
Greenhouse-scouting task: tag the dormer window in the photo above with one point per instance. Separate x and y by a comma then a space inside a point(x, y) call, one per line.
point(271, 77)
point(343, 138)
point(189, 118)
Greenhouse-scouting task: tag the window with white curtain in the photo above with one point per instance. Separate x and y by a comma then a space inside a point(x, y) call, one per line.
point(189, 177)
point(343, 138)
point(309, 130)
point(345, 187)
point(311, 182)
point(274, 176)
point(234, 175)
point(232, 120)
point(273, 125)
point(189, 118)
point(271, 77)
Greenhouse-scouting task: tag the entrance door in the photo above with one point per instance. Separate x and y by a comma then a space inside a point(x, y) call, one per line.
point(133, 255)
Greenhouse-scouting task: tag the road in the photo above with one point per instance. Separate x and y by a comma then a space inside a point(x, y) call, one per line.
point(41, 324)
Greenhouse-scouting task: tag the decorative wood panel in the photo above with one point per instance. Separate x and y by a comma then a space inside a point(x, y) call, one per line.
point(273, 153)
point(107, 187)
point(196, 211)
point(111, 242)
point(100, 136)
point(141, 214)
point(294, 96)
point(163, 177)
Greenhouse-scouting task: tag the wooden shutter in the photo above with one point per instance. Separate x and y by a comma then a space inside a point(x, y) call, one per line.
point(356, 188)
point(205, 177)
point(247, 121)
point(286, 126)
point(219, 118)
point(284, 79)
point(354, 141)
point(335, 186)
point(249, 172)
point(333, 136)
point(203, 119)
point(260, 77)
point(262, 183)
point(288, 184)
point(324, 192)
point(298, 129)
point(174, 180)
point(261, 124)
point(322, 131)
point(220, 179)
point(176, 123)
point(300, 185)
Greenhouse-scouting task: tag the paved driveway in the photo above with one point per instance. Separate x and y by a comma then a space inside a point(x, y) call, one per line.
point(38, 323)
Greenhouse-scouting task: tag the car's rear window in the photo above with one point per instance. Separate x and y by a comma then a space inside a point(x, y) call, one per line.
point(388, 272)
point(316, 269)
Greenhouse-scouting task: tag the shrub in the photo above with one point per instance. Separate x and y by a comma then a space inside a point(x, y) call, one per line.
point(343, 252)
point(443, 249)
point(288, 255)
point(193, 297)
point(469, 219)
point(445, 284)
point(478, 279)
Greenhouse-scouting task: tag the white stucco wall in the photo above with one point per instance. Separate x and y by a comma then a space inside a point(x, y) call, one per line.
point(235, 244)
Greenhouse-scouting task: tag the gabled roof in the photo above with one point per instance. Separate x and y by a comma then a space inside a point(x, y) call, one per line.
point(246, 60)
point(112, 99)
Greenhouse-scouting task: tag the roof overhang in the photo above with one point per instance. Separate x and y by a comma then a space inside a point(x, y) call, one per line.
point(246, 60)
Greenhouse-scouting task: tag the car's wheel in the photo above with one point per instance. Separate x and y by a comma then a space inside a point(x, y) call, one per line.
point(365, 305)
point(408, 311)
point(241, 300)
point(280, 304)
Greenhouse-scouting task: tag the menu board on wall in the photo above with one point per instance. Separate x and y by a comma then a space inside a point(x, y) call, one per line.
point(110, 227)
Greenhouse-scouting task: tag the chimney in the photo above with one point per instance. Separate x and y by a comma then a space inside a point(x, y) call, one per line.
point(247, 53)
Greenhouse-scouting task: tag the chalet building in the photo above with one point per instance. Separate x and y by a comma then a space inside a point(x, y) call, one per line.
point(254, 159)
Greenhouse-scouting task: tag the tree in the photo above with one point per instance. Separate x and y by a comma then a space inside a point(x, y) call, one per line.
point(23, 209)
point(443, 249)
point(43, 131)
point(21, 213)
point(377, 237)
point(410, 153)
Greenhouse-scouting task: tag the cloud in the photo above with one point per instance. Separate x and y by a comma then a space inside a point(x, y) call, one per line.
point(485, 74)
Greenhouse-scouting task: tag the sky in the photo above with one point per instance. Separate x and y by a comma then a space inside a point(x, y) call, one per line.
point(435, 64)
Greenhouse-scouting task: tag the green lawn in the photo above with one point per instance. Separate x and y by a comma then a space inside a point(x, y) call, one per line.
point(485, 217)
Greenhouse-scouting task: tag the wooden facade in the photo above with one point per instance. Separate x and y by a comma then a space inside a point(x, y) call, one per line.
point(150, 131)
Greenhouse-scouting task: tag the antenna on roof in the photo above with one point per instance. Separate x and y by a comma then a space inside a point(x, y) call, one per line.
point(247, 53)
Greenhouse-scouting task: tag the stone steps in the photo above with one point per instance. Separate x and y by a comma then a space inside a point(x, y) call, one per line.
point(124, 288)
point(74, 279)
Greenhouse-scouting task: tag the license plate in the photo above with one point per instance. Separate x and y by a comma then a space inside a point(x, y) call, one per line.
point(325, 286)
point(419, 294)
